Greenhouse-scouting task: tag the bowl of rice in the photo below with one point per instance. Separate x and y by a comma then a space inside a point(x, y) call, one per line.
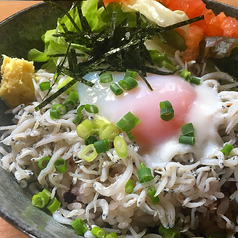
point(119, 119)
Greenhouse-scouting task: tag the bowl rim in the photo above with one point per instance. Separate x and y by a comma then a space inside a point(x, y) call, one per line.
point(10, 219)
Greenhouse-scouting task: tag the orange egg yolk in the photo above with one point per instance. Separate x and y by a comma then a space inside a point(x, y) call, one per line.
point(144, 104)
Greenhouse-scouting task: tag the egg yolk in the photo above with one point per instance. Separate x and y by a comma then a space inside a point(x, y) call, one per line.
point(152, 129)
point(144, 104)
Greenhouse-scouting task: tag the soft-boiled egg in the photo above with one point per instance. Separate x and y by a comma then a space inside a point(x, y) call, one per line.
point(190, 103)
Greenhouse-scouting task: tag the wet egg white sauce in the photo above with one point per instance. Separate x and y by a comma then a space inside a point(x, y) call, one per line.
point(199, 105)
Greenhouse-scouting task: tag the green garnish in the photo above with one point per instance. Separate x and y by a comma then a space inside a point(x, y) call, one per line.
point(151, 193)
point(144, 174)
point(129, 186)
point(98, 232)
point(116, 89)
point(79, 226)
point(226, 150)
point(166, 110)
point(53, 205)
point(128, 122)
point(169, 232)
point(41, 199)
point(188, 134)
point(60, 165)
point(44, 86)
point(43, 162)
point(120, 147)
point(113, 38)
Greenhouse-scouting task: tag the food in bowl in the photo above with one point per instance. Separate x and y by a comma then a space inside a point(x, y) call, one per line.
point(127, 135)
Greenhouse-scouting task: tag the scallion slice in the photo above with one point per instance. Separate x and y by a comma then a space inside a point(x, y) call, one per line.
point(88, 153)
point(130, 73)
point(54, 113)
point(61, 108)
point(71, 101)
point(60, 165)
point(91, 108)
point(42, 163)
point(44, 86)
point(185, 74)
point(144, 174)
point(226, 150)
point(90, 140)
point(188, 140)
point(166, 110)
point(40, 199)
point(188, 129)
point(151, 192)
point(128, 83)
point(128, 122)
point(85, 129)
point(116, 89)
point(54, 205)
point(111, 235)
point(101, 146)
point(109, 131)
point(169, 232)
point(129, 186)
point(106, 78)
point(98, 232)
point(79, 226)
point(120, 146)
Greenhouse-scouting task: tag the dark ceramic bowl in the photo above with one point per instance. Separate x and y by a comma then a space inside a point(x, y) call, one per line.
point(18, 34)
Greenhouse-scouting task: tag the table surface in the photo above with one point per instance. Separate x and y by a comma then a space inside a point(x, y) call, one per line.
point(8, 8)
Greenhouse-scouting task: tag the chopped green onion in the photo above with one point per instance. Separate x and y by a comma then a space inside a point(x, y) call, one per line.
point(129, 186)
point(98, 232)
point(185, 74)
point(91, 108)
point(79, 226)
point(61, 108)
point(128, 83)
point(88, 153)
point(116, 89)
point(166, 110)
point(188, 140)
point(169, 232)
point(54, 114)
point(71, 101)
point(106, 78)
point(99, 123)
point(162, 60)
point(128, 122)
point(109, 131)
point(151, 192)
point(60, 165)
point(130, 73)
point(111, 235)
point(120, 147)
point(79, 116)
point(41, 199)
point(85, 129)
point(144, 174)
point(44, 86)
point(42, 163)
point(130, 136)
point(90, 140)
point(194, 80)
point(226, 150)
point(188, 129)
point(54, 205)
point(101, 146)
